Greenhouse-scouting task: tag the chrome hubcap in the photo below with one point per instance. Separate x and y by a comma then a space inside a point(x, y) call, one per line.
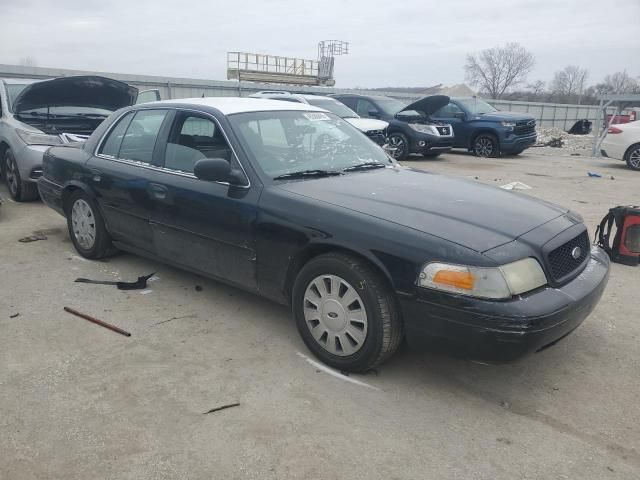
point(634, 158)
point(397, 143)
point(12, 178)
point(335, 315)
point(484, 147)
point(84, 224)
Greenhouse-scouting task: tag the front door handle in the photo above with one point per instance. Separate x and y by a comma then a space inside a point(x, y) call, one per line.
point(158, 191)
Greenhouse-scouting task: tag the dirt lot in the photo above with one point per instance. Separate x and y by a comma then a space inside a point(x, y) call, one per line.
point(79, 402)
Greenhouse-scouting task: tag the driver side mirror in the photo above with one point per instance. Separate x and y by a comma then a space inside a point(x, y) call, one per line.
point(460, 115)
point(374, 113)
point(217, 170)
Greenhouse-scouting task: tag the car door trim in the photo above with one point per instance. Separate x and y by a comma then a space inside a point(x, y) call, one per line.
point(163, 169)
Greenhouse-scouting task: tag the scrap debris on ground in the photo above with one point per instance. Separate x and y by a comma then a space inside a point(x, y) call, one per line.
point(556, 137)
point(139, 284)
point(97, 322)
point(222, 407)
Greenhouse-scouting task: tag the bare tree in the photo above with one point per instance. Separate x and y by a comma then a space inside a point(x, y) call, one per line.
point(497, 69)
point(619, 82)
point(568, 84)
point(536, 88)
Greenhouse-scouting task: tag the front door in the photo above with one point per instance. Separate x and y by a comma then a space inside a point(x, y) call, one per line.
point(121, 172)
point(205, 226)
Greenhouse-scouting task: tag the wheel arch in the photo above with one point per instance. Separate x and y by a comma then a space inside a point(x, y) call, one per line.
point(483, 130)
point(314, 250)
point(4, 146)
point(627, 152)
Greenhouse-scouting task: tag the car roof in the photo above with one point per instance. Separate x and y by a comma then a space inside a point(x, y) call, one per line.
point(231, 105)
point(359, 95)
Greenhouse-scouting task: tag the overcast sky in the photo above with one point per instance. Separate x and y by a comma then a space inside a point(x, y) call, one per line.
point(393, 43)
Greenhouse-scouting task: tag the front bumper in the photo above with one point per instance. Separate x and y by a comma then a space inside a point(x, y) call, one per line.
point(425, 143)
point(510, 142)
point(503, 331)
point(29, 161)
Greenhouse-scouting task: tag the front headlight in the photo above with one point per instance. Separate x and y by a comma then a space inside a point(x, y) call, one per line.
point(508, 124)
point(35, 138)
point(484, 282)
point(418, 127)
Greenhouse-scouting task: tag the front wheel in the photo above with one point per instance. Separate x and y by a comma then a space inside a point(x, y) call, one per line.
point(346, 313)
point(86, 227)
point(632, 157)
point(20, 191)
point(485, 145)
point(400, 144)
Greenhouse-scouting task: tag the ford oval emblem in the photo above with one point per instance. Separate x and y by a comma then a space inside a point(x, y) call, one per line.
point(576, 252)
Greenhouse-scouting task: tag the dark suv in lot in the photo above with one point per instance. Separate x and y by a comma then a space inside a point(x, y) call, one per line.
point(412, 129)
point(486, 131)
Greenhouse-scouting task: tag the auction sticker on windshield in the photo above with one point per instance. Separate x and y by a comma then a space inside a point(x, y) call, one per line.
point(315, 116)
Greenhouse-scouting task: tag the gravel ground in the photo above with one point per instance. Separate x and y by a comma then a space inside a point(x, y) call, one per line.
point(78, 401)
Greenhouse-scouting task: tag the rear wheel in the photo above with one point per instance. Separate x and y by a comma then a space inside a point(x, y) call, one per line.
point(485, 145)
point(346, 313)
point(20, 191)
point(400, 144)
point(632, 157)
point(86, 227)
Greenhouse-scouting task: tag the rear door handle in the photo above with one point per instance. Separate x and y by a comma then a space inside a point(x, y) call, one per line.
point(158, 191)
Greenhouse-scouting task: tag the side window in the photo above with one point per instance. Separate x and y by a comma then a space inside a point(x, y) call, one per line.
point(148, 96)
point(448, 111)
point(193, 138)
point(111, 146)
point(364, 107)
point(140, 139)
point(349, 102)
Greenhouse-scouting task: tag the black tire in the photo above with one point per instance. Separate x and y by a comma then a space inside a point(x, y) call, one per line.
point(485, 145)
point(431, 155)
point(384, 329)
point(19, 190)
point(632, 157)
point(400, 142)
point(101, 246)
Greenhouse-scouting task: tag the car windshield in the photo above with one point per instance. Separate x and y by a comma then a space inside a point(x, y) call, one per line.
point(289, 142)
point(333, 106)
point(476, 107)
point(13, 90)
point(390, 106)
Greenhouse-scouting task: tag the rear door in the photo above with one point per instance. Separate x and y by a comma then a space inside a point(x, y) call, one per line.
point(204, 226)
point(450, 114)
point(125, 165)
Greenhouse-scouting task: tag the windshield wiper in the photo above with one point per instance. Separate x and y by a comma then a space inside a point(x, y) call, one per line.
point(364, 166)
point(308, 173)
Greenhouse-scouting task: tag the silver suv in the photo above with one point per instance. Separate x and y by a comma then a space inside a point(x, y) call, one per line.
point(36, 114)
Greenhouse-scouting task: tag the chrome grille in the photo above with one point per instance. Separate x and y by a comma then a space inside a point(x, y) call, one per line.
point(525, 127)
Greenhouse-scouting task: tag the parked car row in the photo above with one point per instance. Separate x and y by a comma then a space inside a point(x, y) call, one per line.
point(36, 114)
point(291, 202)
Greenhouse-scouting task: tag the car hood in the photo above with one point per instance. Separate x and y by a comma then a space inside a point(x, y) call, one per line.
point(367, 124)
point(78, 91)
point(505, 116)
point(476, 216)
point(427, 105)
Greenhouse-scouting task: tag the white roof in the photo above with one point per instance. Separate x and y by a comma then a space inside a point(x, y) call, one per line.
point(230, 105)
